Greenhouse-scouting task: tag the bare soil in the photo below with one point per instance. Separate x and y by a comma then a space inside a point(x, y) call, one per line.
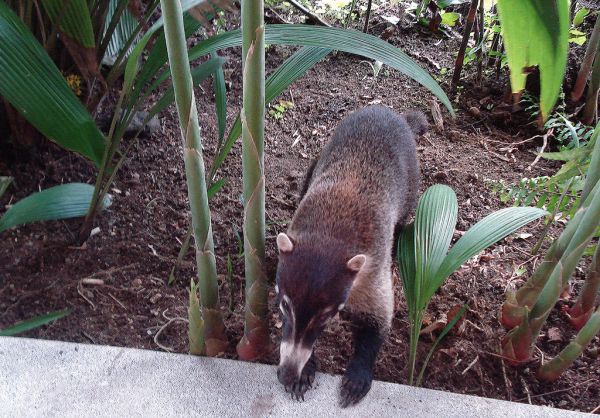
point(140, 234)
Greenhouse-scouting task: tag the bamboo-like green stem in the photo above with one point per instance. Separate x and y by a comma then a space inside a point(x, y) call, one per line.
point(518, 343)
point(593, 172)
point(584, 306)
point(256, 341)
point(214, 330)
point(554, 368)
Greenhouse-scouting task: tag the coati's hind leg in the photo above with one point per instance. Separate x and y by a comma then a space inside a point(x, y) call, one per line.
point(367, 340)
point(307, 377)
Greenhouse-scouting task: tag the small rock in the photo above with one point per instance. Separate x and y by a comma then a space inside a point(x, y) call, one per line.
point(554, 334)
point(155, 298)
point(136, 283)
point(474, 111)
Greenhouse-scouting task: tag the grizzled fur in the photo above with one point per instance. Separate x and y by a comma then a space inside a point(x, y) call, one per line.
point(363, 186)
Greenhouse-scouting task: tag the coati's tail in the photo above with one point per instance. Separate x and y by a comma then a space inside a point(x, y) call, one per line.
point(417, 121)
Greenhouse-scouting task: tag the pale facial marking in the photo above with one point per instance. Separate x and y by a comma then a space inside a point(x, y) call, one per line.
point(290, 352)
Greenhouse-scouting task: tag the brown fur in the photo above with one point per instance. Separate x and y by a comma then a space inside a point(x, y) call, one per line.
point(363, 185)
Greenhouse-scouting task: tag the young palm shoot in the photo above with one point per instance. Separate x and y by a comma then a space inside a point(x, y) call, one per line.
point(256, 341)
point(423, 256)
point(211, 340)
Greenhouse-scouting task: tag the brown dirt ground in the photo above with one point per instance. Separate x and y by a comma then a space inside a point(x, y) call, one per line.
point(140, 234)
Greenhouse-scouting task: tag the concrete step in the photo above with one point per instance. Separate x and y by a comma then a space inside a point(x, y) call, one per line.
point(56, 379)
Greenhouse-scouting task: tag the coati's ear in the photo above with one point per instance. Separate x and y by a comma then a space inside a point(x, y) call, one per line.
point(356, 262)
point(284, 243)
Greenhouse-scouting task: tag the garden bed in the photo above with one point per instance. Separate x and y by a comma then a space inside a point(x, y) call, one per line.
point(139, 236)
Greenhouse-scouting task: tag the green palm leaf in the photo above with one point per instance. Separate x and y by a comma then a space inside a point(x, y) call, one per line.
point(434, 226)
point(59, 202)
point(74, 19)
point(32, 323)
point(30, 82)
point(345, 40)
point(484, 233)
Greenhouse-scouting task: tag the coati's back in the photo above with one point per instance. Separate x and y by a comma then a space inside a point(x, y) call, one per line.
point(366, 176)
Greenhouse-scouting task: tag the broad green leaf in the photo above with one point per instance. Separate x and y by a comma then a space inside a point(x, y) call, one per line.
point(292, 69)
point(435, 221)
point(450, 18)
point(31, 83)
point(536, 32)
point(60, 202)
point(75, 19)
point(484, 233)
point(33, 323)
point(4, 183)
point(580, 16)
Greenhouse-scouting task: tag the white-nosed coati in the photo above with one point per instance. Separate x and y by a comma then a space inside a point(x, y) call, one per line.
point(337, 252)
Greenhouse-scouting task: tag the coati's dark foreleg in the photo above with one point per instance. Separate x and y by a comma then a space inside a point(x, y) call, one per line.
point(306, 380)
point(367, 340)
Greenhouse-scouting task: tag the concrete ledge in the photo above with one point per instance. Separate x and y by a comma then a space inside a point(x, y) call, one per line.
point(49, 378)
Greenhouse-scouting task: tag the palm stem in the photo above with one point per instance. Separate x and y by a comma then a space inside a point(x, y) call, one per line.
point(213, 331)
point(256, 341)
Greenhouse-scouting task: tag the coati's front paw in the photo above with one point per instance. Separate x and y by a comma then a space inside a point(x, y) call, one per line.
point(299, 388)
point(356, 383)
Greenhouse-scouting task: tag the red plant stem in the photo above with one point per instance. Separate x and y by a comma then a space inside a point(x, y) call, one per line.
point(586, 65)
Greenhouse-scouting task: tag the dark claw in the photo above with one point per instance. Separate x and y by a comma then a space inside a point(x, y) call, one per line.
point(354, 388)
point(305, 382)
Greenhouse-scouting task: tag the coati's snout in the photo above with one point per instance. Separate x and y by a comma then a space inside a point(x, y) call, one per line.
point(312, 286)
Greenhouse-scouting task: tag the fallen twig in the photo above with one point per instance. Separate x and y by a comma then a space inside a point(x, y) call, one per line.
point(558, 391)
point(80, 291)
point(544, 145)
point(526, 388)
point(308, 13)
point(471, 364)
point(162, 328)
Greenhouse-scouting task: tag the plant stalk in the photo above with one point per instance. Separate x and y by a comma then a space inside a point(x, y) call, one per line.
point(458, 65)
point(555, 367)
point(590, 109)
point(256, 340)
point(215, 341)
point(580, 313)
point(517, 303)
point(518, 343)
point(586, 65)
